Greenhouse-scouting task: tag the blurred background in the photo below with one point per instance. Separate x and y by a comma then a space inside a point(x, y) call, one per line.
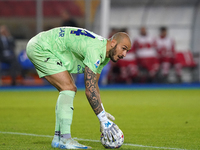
point(165, 37)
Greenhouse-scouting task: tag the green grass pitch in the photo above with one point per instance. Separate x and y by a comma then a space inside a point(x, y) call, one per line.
point(150, 119)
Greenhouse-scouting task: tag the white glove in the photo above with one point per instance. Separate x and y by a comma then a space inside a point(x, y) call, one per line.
point(109, 116)
point(107, 127)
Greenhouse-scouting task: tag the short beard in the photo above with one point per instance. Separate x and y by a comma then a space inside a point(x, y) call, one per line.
point(112, 53)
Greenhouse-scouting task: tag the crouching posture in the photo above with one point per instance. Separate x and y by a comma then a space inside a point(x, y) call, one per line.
point(61, 51)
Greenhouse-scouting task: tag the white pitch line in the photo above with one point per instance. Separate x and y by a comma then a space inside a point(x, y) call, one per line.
point(89, 140)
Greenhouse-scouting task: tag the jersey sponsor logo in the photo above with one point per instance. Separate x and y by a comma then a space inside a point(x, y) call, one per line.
point(97, 63)
point(62, 32)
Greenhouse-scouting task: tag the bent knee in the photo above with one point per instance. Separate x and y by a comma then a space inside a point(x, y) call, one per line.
point(73, 88)
point(68, 87)
point(62, 81)
point(62, 86)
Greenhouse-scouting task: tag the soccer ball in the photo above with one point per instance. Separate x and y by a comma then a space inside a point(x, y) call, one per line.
point(114, 143)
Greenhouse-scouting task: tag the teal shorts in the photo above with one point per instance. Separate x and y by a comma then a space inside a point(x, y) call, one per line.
point(44, 61)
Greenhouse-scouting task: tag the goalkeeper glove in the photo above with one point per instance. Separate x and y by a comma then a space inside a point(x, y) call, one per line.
point(109, 116)
point(107, 127)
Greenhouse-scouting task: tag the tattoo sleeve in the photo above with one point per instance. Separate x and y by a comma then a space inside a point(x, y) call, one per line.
point(91, 90)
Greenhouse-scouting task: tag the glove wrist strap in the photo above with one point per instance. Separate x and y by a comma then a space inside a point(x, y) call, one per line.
point(102, 106)
point(102, 115)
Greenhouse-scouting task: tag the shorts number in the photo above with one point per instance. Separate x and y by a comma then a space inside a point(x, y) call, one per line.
point(82, 32)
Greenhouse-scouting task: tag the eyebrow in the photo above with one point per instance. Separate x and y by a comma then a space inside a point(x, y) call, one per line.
point(125, 46)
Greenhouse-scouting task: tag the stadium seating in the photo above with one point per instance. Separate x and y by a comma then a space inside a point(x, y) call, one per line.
point(4, 66)
point(186, 59)
point(189, 66)
point(28, 8)
point(24, 62)
point(28, 75)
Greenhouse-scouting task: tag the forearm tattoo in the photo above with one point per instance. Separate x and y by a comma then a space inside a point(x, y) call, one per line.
point(91, 90)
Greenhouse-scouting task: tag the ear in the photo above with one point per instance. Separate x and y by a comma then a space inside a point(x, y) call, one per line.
point(113, 43)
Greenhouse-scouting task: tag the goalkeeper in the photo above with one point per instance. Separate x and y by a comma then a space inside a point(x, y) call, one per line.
point(56, 54)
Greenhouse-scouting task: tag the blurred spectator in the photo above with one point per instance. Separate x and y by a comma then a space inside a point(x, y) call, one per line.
point(7, 54)
point(128, 70)
point(167, 56)
point(67, 20)
point(147, 60)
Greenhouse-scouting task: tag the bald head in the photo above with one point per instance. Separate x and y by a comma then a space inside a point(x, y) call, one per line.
point(117, 46)
point(120, 36)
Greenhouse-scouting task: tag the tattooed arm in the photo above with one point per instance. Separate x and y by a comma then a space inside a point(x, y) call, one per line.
point(92, 90)
point(97, 86)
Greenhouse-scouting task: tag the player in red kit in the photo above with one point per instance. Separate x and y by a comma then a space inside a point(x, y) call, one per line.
point(128, 69)
point(144, 47)
point(167, 55)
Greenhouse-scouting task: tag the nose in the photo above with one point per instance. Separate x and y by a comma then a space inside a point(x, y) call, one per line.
point(124, 53)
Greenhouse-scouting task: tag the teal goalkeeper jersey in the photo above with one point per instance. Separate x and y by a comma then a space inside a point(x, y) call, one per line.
point(75, 48)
